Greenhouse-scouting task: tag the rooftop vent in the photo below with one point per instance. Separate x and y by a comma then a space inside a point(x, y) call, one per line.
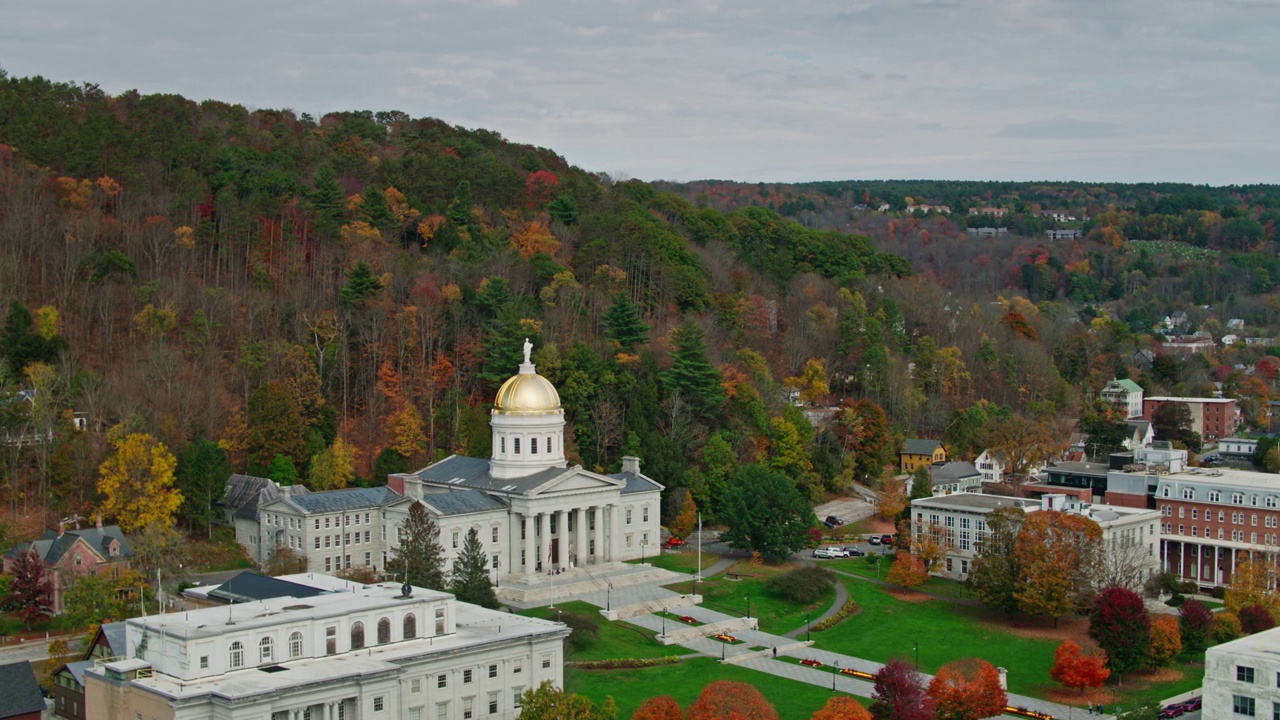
point(273, 668)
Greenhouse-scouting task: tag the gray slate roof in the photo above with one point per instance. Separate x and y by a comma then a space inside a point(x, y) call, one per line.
point(916, 446)
point(345, 499)
point(635, 483)
point(952, 472)
point(114, 633)
point(242, 494)
point(19, 692)
point(467, 472)
point(50, 547)
point(77, 669)
point(462, 501)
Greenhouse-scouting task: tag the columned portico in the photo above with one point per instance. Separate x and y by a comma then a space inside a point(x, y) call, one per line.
point(580, 537)
point(545, 540)
point(598, 535)
point(530, 547)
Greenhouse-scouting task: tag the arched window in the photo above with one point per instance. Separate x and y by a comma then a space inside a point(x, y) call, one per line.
point(237, 654)
point(357, 635)
point(410, 627)
point(266, 650)
point(384, 631)
point(295, 645)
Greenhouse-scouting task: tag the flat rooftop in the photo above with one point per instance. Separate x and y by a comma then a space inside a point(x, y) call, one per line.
point(1226, 477)
point(976, 501)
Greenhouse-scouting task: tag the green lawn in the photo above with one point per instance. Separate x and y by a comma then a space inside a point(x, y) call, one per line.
point(616, 640)
point(941, 587)
point(684, 561)
point(793, 700)
point(776, 614)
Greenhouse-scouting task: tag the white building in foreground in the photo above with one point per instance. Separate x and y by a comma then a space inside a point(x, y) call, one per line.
point(373, 653)
point(1242, 677)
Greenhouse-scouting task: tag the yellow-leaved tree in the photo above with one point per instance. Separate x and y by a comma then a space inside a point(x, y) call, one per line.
point(137, 481)
point(334, 467)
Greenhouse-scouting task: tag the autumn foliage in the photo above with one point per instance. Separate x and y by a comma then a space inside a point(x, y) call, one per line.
point(967, 689)
point(1120, 624)
point(1074, 669)
point(840, 707)
point(729, 700)
point(900, 694)
point(1166, 641)
point(907, 571)
point(662, 707)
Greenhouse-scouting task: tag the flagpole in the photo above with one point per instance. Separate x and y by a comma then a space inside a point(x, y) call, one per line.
point(697, 574)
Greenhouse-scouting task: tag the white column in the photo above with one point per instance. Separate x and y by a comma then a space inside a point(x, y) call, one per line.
point(562, 536)
point(598, 534)
point(580, 536)
point(530, 547)
point(544, 544)
point(615, 534)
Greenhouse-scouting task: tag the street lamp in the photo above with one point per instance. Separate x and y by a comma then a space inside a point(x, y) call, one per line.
point(608, 599)
point(833, 676)
point(664, 624)
point(722, 644)
point(808, 629)
point(748, 599)
point(915, 646)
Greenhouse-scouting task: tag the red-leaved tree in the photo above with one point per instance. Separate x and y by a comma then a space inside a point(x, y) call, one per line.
point(840, 707)
point(1195, 620)
point(1120, 625)
point(1074, 669)
point(30, 591)
point(899, 694)
point(1255, 618)
point(729, 700)
point(967, 689)
point(907, 571)
point(662, 707)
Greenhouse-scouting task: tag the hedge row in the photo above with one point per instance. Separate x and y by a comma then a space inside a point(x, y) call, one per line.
point(850, 607)
point(624, 663)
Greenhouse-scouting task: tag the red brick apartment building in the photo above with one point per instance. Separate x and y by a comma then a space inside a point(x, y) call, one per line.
point(1213, 519)
point(1213, 418)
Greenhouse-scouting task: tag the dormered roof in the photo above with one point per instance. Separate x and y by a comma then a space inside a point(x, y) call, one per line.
point(464, 501)
point(917, 446)
point(342, 500)
point(19, 692)
point(51, 547)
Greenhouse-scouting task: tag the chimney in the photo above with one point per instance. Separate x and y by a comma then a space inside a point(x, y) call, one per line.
point(61, 528)
point(97, 522)
point(631, 464)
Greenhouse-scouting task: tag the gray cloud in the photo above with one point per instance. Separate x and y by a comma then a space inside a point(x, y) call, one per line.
point(742, 89)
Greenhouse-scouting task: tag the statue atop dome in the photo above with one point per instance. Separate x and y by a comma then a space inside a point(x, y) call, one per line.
point(528, 348)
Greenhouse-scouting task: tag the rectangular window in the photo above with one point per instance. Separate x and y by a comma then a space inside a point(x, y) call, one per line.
point(442, 681)
point(1244, 674)
point(516, 692)
point(493, 671)
point(467, 708)
point(546, 661)
point(517, 666)
point(378, 703)
point(533, 446)
point(330, 636)
point(495, 534)
point(415, 686)
point(204, 662)
point(415, 713)
point(628, 516)
point(645, 517)
point(439, 621)
point(1242, 705)
point(328, 565)
point(357, 518)
point(327, 521)
point(466, 676)
point(442, 710)
point(1195, 514)
point(317, 542)
point(493, 703)
point(455, 539)
point(629, 537)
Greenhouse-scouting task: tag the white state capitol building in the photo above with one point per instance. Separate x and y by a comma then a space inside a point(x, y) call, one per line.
point(535, 514)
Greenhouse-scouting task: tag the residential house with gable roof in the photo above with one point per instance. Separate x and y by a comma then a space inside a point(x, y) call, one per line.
point(69, 553)
point(1125, 396)
point(917, 453)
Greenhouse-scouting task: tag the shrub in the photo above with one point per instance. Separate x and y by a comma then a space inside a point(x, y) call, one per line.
point(1226, 627)
point(850, 607)
point(1175, 601)
point(624, 663)
point(584, 629)
point(1187, 587)
point(1219, 592)
point(803, 585)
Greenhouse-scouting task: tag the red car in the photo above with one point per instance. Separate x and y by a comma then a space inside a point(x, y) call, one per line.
point(674, 542)
point(886, 540)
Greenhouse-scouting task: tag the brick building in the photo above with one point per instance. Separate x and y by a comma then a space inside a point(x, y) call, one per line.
point(1213, 418)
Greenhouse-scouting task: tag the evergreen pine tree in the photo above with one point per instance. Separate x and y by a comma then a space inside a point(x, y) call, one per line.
point(690, 371)
point(326, 198)
point(282, 470)
point(21, 345)
point(622, 323)
point(361, 284)
point(564, 209)
point(374, 210)
point(459, 211)
point(420, 556)
point(202, 477)
point(471, 573)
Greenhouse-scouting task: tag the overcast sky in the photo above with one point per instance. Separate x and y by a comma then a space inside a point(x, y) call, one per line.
point(742, 89)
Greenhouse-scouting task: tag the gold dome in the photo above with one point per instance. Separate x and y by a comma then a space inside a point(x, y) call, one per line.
point(527, 394)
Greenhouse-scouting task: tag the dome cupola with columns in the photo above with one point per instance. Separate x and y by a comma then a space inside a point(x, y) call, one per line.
point(528, 424)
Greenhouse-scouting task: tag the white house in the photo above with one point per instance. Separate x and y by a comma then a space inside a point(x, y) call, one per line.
point(1125, 396)
point(992, 466)
point(379, 651)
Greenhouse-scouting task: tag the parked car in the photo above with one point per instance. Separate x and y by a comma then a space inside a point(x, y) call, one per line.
point(852, 551)
point(1171, 711)
point(674, 542)
point(886, 540)
point(832, 521)
point(874, 540)
point(1193, 704)
point(828, 552)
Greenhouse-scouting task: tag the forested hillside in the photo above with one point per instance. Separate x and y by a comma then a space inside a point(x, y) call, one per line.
point(329, 300)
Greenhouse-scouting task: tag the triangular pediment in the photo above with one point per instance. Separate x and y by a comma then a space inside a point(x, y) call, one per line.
point(577, 480)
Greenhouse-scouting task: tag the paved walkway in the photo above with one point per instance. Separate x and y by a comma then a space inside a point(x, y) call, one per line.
point(756, 639)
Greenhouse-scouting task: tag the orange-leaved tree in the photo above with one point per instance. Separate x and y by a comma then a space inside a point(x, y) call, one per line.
point(907, 571)
point(662, 707)
point(1058, 557)
point(967, 689)
point(1074, 669)
point(729, 700)
point(1166, 641)
point(840, 707)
